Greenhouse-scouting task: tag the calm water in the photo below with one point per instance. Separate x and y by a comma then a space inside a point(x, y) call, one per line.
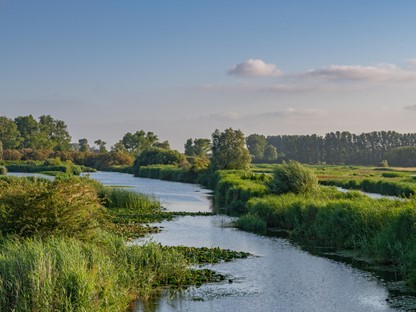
point(280, 277)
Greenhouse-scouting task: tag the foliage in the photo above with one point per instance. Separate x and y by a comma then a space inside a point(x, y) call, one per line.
point(256, 145)
point(83, 145)
point(47, 133)
point(341, 147)
point(293, 177)
point(139, 141)
point(3, 170)
point(270, 153)
point(66, 206)
point(9, 135)
point(402, 156)
point(158, 156)
point(197, 147)
point(232, 189)
point(228, 150)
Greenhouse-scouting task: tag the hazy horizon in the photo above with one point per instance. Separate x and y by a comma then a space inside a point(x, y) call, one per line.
point(183, 69)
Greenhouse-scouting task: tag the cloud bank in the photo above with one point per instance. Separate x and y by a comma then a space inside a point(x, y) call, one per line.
point(383, 72)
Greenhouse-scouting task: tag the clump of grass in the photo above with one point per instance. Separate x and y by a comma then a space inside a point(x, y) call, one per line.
point(251, 223)
point(121, 198)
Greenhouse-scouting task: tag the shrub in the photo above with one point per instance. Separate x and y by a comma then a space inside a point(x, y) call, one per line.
point(3, 170)
point(65, 206)
point(293, 177)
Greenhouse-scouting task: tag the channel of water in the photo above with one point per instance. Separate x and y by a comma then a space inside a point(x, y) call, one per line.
point(279, 277)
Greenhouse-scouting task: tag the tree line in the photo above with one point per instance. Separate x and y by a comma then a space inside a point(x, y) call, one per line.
point(27, 138)
point(336, 147)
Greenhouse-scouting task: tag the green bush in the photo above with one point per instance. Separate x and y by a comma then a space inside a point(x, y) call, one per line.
point(3, 170)
point(293, 177)
point(65, 206)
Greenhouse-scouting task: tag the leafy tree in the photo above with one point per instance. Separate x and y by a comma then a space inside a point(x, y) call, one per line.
point(9, 135)
point(229, 151)
point(270, 153)
point(101, 145)
point(83, 145)
point(29, 131)
point(293, 177)
point(197, 147)
point(256, 144)
point(163, 145)
point(54, 133)
point(139, 141)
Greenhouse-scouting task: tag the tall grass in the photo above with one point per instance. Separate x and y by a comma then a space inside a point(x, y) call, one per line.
point(383, 229)
point(121, 198)
point(63, 274)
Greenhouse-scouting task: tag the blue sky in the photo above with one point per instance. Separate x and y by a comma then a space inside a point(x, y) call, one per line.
point(183, 68)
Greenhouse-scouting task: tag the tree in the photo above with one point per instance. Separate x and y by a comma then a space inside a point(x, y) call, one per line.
point(101, 145)
point(139, 141)
point(229, 151)
point(256, 144)
point(270, 153)
point(197, 147)
point(9, 135)
point(29, 131)
point(54, 133)
point(164, 145)
point(83, 145)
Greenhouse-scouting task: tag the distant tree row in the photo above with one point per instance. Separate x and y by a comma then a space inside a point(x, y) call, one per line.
point(27, 132)
point(333, 148)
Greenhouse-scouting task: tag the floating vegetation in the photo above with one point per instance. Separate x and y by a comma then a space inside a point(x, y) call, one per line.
point(202, 255)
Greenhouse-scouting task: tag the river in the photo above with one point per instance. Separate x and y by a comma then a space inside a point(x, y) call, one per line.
point(279, 277)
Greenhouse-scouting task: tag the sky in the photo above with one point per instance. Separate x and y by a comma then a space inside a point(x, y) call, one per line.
point(185, 68)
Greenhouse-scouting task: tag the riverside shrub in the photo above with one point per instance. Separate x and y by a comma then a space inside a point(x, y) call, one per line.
point(65, 206)
point(293, 177)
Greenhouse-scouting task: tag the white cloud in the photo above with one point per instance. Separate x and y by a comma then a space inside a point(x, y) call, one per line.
point(379, 73)
point(255, 68)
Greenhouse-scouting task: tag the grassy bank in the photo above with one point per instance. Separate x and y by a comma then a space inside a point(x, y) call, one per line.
point(61, 248)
